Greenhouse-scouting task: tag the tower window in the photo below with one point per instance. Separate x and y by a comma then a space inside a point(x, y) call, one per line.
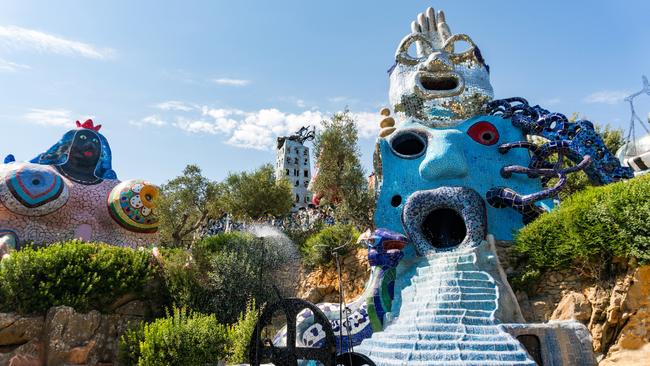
point(298, 198)
point(287, 171)
point(306, 173)
point(297, 183)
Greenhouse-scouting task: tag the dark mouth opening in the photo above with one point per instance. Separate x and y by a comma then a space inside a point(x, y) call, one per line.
point(444, 228)
point(433, 83)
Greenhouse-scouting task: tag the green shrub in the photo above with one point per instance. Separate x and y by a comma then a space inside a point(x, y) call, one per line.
point(224, 272)
point(129, 345)
point(299, 237)
point(184, 338)
point(180, 279)
point(241, 334)
point(317, 250)
point(83, 276)
point(589, 230)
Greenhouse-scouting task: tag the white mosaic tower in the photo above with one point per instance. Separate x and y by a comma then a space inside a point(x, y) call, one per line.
point(293, 163)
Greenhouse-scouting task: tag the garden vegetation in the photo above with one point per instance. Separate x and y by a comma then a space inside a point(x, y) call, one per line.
point(591, 231)
point(83, 276)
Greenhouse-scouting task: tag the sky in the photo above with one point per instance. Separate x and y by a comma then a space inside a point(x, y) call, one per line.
point(214, 83)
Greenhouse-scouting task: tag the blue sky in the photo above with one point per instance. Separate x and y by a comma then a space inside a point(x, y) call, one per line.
point(213, 82)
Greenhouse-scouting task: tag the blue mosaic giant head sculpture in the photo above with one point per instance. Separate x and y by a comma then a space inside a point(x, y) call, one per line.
point(434, 162)
point(455, 165)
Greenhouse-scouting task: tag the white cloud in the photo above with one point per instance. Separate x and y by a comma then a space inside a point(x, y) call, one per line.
point(197, 126)
point(8, 66)
point(231, 82)
point(218, 113)
point(50, 117)
point(14, 37)
point(152, 120)
point(367, 124)
point(259, 129)
point(174, 105)
point(606, 96)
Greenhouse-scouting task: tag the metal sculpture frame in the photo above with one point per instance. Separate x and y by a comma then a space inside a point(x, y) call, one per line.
point(264, 350)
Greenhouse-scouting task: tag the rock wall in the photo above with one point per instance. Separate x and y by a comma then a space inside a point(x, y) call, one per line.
point(616, 311)
point(321, 284)
point(66, 337)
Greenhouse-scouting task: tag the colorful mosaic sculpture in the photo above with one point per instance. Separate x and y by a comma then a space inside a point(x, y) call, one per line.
point(577, 141)
point(364, 315)
point(71, 191)
point(454, 174)
point(82, 155)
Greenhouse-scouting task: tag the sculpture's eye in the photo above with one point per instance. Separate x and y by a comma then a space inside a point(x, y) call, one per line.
point(33, 190)
point(83, 137)
point(405, 52)
point(408, 144)
point(484, 133)
point(460, 48)
point(95, 140)
point(132, 205)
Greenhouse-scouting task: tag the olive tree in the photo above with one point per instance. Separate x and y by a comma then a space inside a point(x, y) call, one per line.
point(185, 204)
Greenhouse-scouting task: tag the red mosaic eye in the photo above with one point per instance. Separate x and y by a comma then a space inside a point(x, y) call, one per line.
point(484, 133)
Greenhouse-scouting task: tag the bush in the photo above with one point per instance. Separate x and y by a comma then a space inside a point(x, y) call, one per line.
point(81, 275)
point(180, 279)
point(129, 345)
point(589, 230)
point(317, 250)
point(184, 338)
point(241, 334)
point(224, 272)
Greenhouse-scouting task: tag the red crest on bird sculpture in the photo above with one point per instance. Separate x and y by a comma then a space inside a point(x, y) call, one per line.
point(89, 125)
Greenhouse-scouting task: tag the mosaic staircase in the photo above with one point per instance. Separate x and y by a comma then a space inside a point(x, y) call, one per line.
point(447, 318)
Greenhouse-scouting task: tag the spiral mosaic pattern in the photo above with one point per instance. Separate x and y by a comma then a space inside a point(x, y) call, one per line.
point(131, 205)
point(32, 190)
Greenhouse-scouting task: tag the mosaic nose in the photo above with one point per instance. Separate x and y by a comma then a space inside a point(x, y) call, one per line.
point(438, 61)
point(445, 158)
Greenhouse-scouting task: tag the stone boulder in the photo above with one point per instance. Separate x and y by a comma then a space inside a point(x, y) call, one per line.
point(632, 347)
point(66, 337)
point(16, 330)
point(573, 306)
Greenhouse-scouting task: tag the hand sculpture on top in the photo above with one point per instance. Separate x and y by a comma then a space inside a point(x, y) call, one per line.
point(436, 84)
point(431, 27)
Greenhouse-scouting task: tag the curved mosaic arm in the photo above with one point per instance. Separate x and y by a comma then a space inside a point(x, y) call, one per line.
point(577, 141)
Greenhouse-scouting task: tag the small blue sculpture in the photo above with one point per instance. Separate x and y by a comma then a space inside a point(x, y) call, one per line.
point(364, 315)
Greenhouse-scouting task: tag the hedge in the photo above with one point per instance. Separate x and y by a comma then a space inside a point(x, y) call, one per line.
point(222, 274)
point(184, 338)
point(590, 229)
point(317, 250)
point(81, 275)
